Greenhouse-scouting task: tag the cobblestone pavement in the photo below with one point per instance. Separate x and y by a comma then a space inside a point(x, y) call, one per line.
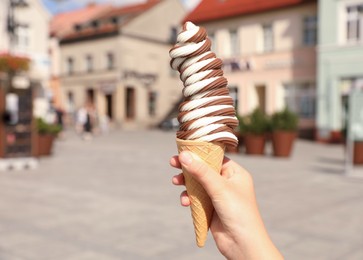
point(112, 198)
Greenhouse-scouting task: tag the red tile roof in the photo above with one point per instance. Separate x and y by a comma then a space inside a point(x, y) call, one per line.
point(209, 10)
point(101, 14)
point(63, 23)
point(90, 32)
point(132, 9)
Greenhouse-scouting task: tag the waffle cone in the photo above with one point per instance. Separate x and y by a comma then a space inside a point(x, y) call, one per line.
point(201, 205)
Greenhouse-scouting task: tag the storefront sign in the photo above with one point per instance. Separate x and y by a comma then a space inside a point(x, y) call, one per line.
point(107, 87)
point(280, 64)
point(146, 78)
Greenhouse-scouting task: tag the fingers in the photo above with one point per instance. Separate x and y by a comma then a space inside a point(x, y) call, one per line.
point(178, 179)
point(212, 182)
point(174, 162)
point(184, 199)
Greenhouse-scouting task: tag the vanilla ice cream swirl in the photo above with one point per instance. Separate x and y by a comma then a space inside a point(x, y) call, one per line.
point(207, 113)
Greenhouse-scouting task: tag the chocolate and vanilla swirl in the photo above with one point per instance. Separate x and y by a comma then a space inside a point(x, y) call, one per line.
point(207, 113)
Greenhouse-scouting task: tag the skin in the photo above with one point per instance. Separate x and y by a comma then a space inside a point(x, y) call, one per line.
point(236, 226)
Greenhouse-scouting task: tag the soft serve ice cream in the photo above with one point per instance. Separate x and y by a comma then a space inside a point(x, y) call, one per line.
point(207, 113)
point(206, 117)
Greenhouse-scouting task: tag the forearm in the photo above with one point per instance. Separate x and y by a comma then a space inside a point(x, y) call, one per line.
point(253, 243)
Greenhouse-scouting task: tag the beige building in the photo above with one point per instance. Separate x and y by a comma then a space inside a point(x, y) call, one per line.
point(119, 61)
point(269, 53)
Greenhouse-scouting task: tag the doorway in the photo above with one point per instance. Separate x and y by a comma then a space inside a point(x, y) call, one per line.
point(90, 95)
point(261, 97)
point(109, 106)
point(130, 103)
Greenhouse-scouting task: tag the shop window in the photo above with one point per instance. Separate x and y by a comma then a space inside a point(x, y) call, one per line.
point(301, 98)
point(310, 30)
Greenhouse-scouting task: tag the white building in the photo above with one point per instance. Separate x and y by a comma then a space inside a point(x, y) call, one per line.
point(30, 39)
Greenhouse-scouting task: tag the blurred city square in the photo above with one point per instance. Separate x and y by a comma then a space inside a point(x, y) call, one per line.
point(112, 198)
point(90, 102)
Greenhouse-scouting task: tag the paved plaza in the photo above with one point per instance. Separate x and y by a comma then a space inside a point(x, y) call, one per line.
point(112, 198)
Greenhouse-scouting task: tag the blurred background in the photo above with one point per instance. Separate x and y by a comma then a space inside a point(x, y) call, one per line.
point(89, 105)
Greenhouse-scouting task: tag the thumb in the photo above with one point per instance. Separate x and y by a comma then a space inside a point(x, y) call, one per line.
point(211, 181)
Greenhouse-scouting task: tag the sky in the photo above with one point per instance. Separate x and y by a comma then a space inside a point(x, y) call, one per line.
point(57, 6)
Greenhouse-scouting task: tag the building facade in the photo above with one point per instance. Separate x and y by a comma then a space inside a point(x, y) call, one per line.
point(268, 51)
point(30, 39)
point(119, 62)
point(340, 62)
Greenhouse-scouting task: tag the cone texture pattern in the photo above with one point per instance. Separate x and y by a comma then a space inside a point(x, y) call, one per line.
point(201, 205)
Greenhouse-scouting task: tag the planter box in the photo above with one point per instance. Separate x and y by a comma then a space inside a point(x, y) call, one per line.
point(44, 144)
point(358, 152)
point(255, 144)
point(282, 143)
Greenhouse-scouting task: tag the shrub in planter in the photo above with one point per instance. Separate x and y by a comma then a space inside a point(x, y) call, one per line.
point(46, 133)
point(284, 126)
point(253, 128)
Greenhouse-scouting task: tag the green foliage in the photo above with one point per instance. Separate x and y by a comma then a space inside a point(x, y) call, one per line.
point(45, 128)
point(12, 63)
point(255, 123)
point(284, 120)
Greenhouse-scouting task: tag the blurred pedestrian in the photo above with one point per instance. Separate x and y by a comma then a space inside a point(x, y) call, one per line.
point(60, 120)
point(90, 120)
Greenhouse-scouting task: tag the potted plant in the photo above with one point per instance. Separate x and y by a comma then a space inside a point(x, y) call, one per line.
point(254, 128)
point(284, 126)
point(358, 152)
point(46, 133)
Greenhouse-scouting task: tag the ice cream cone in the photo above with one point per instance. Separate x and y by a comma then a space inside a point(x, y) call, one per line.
point(201, 205)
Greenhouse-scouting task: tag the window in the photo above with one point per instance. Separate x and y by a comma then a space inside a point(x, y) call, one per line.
point(310, 30)
point(301, 98)
point(234, 42)
point(110, 60)
point(22, 37)
point(89, 63)
point(354, 25)
point(212, 38)
point(233, 92)
point(152, 103)
point(70, 65)
point(173, 35)
point(268, 38)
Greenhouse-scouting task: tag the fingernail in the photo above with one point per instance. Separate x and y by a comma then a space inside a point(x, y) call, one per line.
point(185, 158)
